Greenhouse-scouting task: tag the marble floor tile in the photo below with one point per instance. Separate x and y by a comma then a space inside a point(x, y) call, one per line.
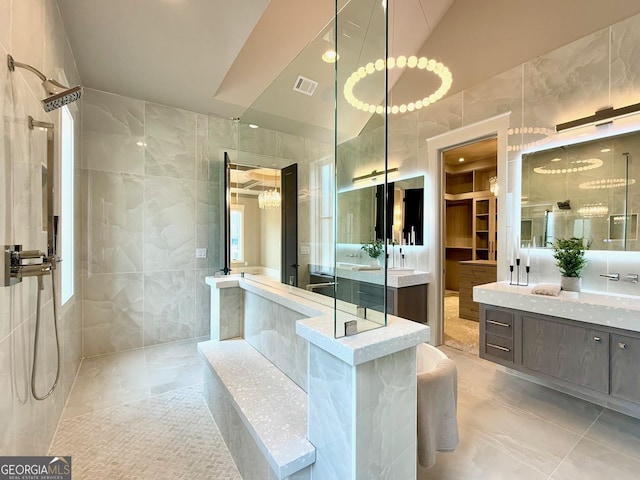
point(485, 379)
point(476, 459)
point(173, 366)
point(170, 436)
point(590, 460)
point(107, 381)
point(617, 430)
point(522, 434)
point(509, 428)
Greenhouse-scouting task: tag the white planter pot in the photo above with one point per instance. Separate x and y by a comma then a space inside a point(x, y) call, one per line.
point(571, 284)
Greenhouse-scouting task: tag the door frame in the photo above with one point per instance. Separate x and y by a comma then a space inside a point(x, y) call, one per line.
point(495, 126)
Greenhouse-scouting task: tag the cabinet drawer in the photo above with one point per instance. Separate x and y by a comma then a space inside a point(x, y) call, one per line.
point(498, 322)
point(499, 347)
point(478, 272)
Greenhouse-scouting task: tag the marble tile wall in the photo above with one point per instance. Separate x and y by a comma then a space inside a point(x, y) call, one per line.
point(32, 31)
point(599, 70)
point(149, 204)
point(270, 328)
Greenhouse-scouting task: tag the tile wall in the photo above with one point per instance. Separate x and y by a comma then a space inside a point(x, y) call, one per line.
point(150, 199)
point(32, 32)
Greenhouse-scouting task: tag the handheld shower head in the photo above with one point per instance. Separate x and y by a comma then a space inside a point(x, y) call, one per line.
point(59, 95)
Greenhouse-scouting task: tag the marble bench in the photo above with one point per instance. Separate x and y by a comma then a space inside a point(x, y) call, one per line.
point(261, 413)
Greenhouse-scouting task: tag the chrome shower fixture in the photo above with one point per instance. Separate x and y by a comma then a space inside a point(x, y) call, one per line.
point(59, 95)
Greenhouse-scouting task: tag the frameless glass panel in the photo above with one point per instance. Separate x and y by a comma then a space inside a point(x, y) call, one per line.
point(587, 190)
point(364, 205)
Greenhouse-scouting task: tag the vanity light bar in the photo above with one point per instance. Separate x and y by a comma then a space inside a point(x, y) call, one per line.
point(373, 175)
point(601, 117)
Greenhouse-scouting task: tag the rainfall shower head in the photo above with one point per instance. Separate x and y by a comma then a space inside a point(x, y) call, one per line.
point(59, 95)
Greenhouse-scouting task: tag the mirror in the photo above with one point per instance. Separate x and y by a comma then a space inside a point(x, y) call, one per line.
point(587, 190)
point(361, 213)
point(255, 220)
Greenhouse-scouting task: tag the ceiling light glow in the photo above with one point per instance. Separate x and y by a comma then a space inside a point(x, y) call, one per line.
point(421, 63)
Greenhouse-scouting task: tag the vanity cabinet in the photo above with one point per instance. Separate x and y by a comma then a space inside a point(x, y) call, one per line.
point(594, 362)
point(406, 302)
point(470, 274)
point(625, 360)
point(569, 352)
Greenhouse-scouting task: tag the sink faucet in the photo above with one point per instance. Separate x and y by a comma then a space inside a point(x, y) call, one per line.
point(613, 277)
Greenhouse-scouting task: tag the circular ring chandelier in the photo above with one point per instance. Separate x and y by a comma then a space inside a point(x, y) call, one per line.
point(544, 131)
point(589, 164)
point(379, 65)
point(607, 183)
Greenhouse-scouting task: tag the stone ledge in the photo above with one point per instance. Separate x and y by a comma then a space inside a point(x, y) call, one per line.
point(271, 406)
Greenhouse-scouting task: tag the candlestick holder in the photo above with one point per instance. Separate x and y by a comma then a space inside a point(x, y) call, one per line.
point(517, 270)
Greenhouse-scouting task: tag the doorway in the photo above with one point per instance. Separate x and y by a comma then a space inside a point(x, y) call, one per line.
point(470, 240)
point(434, 208)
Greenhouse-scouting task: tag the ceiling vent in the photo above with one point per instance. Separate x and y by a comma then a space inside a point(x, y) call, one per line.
point(305, 85)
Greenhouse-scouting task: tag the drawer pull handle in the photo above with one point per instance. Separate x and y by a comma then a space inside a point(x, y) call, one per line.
point(596, 339)
point(500, 324)
point(504, 349)
point(622, 345)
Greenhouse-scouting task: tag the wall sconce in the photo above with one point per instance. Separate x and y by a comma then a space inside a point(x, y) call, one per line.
point(373, 176)
point(493, 186)
point(601, 117)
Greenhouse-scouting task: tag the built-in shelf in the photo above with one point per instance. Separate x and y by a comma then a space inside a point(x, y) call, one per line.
point(471, 216)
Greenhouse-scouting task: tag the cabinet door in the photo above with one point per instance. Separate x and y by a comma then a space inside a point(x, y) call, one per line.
point(343, 290)
point(625, 359)
point(573, 353)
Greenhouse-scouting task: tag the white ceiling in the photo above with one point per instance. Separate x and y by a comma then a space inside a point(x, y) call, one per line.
point(219, 56)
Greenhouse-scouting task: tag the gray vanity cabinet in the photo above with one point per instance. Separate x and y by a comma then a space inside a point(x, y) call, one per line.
point(406, 302)
point(625, 361)
point(598, 363)
point(569, 352)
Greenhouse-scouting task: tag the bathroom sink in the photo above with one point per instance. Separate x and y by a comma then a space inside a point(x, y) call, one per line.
point(399, 271)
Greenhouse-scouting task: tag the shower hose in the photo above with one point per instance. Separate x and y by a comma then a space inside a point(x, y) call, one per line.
point(37, 335)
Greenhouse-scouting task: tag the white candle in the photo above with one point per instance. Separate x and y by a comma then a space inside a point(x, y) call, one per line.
point(534, 242)
point(529, 256)
point(517, 248)
point(513, 254)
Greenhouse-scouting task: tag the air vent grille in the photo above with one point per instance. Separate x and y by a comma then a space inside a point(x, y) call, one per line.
point(305, 85)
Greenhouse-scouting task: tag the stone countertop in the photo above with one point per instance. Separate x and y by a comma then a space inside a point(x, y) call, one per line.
point(318, 329)
point(395, 277)
point(399, 334)
point(618, 311)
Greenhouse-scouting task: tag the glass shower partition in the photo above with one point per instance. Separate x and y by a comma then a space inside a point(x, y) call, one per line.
point(304, 121)
point(361, 233)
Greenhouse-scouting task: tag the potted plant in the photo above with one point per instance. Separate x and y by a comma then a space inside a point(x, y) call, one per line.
point(374, 249)
point(569, 255)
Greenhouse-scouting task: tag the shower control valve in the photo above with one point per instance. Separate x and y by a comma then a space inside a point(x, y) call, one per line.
point(20, 263)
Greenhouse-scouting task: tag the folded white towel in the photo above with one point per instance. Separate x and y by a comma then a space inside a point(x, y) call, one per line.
point(437, 423)
point(549, 289)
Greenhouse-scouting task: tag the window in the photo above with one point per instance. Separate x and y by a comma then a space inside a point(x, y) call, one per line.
point(323, 181)
point(65, 235)
point(237, 233)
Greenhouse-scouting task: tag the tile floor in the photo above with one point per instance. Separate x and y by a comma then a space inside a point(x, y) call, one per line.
point(139, 413)
point(459, 333)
